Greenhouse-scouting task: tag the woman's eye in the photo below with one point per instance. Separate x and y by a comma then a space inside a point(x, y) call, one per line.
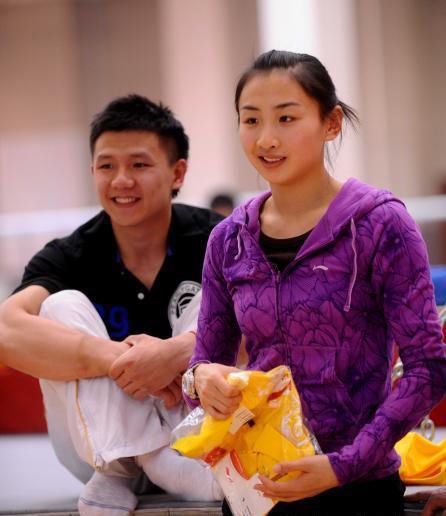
point(286, 118)
point(250, 121)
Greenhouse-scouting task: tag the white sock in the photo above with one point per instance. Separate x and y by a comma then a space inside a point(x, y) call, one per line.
point(187, 478)
point(107, 495)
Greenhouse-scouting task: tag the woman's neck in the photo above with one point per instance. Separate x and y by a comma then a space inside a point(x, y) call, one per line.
point(295, 209)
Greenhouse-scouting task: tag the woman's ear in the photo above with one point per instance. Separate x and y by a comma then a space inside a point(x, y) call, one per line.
point(334, 123)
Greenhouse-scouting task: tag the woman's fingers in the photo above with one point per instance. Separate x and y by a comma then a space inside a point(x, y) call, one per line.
point(217, 396)
point(215, 413)
point(224, 406)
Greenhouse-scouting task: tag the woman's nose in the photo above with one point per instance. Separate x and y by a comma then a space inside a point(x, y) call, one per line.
point(267, 139)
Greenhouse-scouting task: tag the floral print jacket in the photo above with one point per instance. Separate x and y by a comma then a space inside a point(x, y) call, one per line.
point(359, 284)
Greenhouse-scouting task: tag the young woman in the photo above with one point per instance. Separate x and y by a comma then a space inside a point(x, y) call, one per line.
point(324, 277)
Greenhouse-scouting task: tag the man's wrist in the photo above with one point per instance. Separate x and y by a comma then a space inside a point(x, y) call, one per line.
point(183, 347)
point(96, 355)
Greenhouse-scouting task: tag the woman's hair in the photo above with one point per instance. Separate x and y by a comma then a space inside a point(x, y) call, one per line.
point(308, 71)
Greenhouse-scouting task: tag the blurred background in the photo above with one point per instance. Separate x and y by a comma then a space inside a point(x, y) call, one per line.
point(61, 61)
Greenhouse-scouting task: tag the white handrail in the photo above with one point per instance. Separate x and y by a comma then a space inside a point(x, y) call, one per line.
point(423, 209)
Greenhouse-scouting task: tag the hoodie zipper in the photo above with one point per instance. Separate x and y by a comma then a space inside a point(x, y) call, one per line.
point(277, 282)
point(277, 278)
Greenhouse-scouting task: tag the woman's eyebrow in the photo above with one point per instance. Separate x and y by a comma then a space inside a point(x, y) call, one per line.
point(287, 104)
point(250, 108)
point(278, 106)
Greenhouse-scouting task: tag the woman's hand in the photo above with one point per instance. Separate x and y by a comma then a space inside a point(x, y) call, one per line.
point(317, 476)
point(217, 396)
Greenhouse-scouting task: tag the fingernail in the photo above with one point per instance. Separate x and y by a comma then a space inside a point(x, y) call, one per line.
point(276, 468)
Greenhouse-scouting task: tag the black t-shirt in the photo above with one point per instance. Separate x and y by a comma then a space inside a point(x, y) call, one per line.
point(282, 251)
point(89, 261)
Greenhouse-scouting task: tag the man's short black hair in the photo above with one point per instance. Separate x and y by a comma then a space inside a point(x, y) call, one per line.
point(138, 113)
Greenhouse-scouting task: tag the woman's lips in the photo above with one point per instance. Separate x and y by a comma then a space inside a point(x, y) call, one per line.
point(272, 162)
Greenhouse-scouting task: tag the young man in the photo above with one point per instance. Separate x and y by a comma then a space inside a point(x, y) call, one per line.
point(95, 312)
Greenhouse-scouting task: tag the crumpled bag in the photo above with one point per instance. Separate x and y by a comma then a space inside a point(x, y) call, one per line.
point(422, 461)
point(267, 428)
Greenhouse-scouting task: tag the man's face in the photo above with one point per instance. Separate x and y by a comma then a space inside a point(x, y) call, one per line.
point(134, 179)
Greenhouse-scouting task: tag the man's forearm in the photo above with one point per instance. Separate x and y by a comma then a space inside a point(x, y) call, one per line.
point(47, 349)
point(183, 346)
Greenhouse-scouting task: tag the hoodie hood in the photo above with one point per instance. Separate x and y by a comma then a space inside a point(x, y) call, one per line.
point(353, 201)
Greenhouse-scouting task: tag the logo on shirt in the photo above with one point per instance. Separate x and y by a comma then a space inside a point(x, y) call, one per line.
point(182, 296)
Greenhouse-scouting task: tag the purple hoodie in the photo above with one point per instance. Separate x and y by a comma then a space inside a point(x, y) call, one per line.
point(360, 282)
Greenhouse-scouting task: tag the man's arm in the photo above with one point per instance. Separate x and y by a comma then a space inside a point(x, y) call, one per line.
point(47, 349)
point(435, 501)
point(151, 364)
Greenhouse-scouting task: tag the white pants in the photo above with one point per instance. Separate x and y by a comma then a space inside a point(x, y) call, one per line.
point(92, 422)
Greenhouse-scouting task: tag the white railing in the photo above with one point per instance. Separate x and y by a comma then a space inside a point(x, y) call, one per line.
point(423, 209)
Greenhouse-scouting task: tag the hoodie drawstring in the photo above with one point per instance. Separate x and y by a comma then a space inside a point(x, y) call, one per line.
point(355, 267)
point(239, 245)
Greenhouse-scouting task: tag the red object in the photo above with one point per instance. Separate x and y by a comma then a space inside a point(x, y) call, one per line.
point(277, 394)
point(237, 463)
point(21, 405)
point(438, 414)
point(214, 456)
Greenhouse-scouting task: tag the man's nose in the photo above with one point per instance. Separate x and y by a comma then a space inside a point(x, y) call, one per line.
point(122, 178)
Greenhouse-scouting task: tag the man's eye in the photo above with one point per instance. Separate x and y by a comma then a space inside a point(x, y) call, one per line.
point(105, 166)
point(140, 164)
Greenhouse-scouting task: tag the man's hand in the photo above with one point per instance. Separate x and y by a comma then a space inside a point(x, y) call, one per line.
point(217, 396)
point(316, 476)
point(146, 368)
point(436, 501)
point(171, 395)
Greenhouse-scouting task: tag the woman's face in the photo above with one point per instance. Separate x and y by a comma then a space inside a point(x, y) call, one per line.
point(281, 130)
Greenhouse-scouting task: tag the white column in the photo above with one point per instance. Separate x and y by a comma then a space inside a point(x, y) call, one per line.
point(194, 83)
point(326, 29)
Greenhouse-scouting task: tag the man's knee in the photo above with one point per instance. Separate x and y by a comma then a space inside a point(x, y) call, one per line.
point(73, 309)
point(56, 305)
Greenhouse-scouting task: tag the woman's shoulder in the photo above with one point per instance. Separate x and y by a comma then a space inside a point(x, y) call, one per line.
point(379, 207)
point(244, 216)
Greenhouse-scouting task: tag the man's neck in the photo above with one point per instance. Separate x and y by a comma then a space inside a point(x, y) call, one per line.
point(143, 247)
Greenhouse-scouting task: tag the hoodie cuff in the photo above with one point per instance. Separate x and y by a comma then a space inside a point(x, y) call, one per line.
point(341, 467)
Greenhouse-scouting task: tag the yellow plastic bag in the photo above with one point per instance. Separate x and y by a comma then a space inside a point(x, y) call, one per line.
point(422, 462)
point(267, 428)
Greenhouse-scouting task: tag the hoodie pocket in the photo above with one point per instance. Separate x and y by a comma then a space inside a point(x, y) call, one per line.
point(325, 398)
